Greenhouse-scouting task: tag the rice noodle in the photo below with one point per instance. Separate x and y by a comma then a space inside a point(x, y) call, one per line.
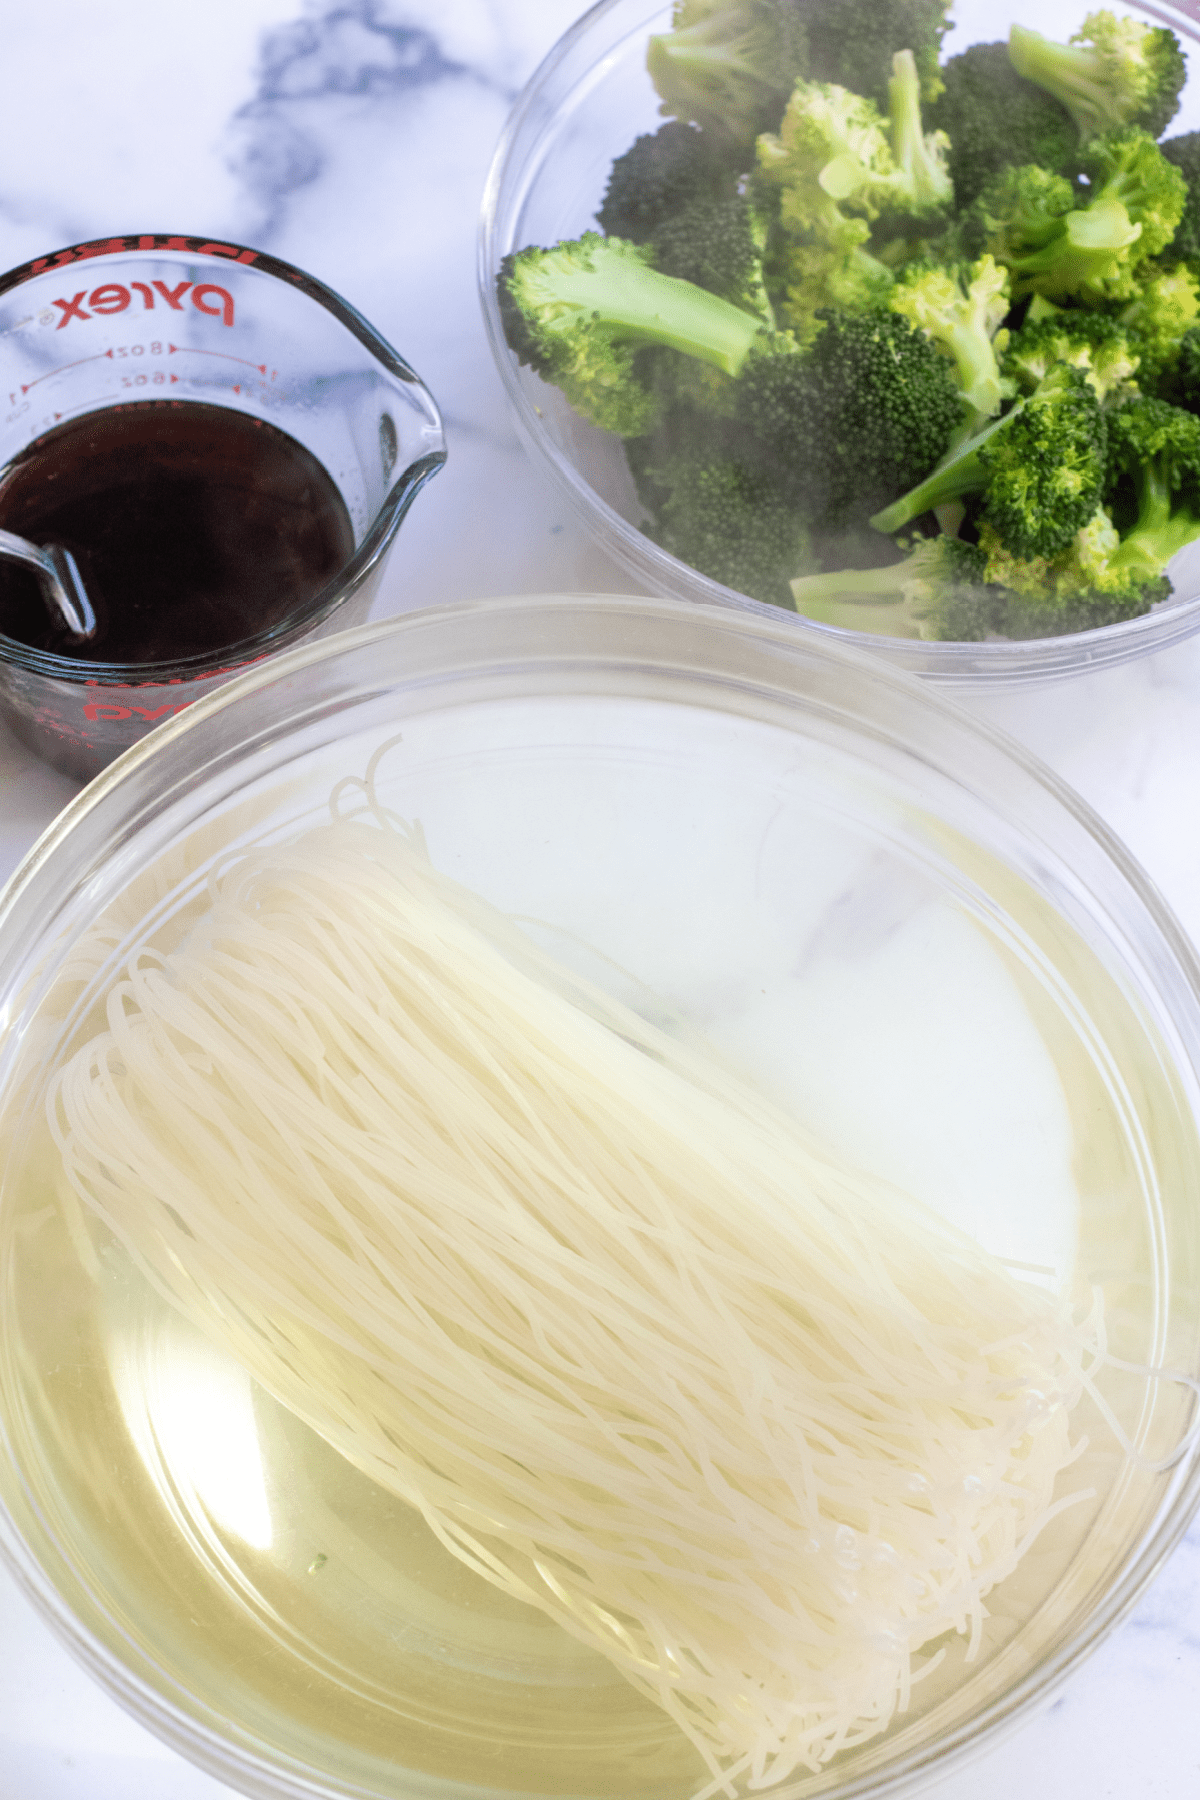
point(755, 1425)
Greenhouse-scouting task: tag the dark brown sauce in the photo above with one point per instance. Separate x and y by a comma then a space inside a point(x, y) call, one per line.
point(194, 527)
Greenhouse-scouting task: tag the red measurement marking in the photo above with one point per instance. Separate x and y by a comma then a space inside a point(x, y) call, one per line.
point(190, 350)
point(62, 367)
point(97, 400)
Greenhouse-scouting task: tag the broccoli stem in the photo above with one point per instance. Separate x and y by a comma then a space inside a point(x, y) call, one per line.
point(892, 602)
point(965, 336)
point(1073, 74)
point(1085, 248)
point(959, 473)
point(1161, 530)
point(930, 184)
point(652, 308)
point(906, 599)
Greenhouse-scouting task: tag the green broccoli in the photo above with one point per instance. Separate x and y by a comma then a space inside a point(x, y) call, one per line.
point(853, 42)
point(829, 162)
point(1040, 469)
point(577, 314)
point(1114, 72)
point(730, 521)
point(729, 65)
point(659, 175)
point(1032, 224)
point(995, 120)
point(1184, 152)
point(850, 423)
point(1094, 342)
point(836, 147)
point(1086, 585)
point(1154, 483)
point(855, 420)
point(1183, 388)
point(1165, 308)
point(838, 165)
point(962, 310)
point(837, 296)
point(904, 599)
point(1054, 247)
point(832, 150)
point(951, 590)
point(719, 245)
point(1129, 169)
point(918, 195)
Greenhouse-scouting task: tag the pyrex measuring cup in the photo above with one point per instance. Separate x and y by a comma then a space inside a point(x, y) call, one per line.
point(119, 322)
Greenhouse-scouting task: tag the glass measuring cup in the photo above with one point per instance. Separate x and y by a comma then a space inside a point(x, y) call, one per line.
point(118, 322)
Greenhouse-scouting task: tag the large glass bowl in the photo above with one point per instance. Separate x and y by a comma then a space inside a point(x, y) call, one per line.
point(585, 105)
point(887, 916)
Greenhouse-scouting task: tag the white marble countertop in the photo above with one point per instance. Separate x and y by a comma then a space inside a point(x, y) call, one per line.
point(352, 138)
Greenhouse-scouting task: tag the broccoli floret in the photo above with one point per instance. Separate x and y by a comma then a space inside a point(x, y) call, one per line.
point(835, 152)
point(729, 65)
point(995, 120)
point(830, 164)
point(1184, 152)
point(962, 310)
point(1154, 483)
point(1084, 586)
point(904, 599)
point(730, 521)
point(1033, 225)
point(719, 245)
point(849, 424)
point(820, 275)
point(832, 151)
point(842, 429)
point(1165, 308)
point(1093, 342)
point(989, 593)
point(1128, 169)
point(1040, 469)
point(854, 41)
point(918, 195)
point(1112, 73)
point(962, 592)
point(1183, 388)
point(577, 314)
point(661, 174)
point(838, 166)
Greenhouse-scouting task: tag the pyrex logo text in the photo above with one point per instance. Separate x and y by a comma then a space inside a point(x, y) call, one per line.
point(114, 297)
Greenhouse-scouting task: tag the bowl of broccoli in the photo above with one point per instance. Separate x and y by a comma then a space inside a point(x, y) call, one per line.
point(825, 305)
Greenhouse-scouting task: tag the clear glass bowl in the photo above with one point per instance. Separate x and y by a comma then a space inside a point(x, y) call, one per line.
point(889, 917)
point(585, 105)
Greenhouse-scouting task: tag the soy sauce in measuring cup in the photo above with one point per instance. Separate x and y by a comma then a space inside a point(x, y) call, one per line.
point(194, 527)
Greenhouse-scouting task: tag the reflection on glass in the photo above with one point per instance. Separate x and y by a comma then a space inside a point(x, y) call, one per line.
point(190, 1413)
